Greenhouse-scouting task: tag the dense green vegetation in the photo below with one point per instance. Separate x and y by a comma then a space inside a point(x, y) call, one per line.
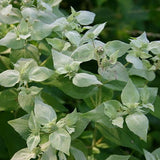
point(69, 89)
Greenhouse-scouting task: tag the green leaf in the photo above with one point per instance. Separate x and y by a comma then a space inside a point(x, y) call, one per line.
point(29, 51)
point(74, 37)
point(60, 140)
point(8, 100)
point(85, 80)
point(130, 94)
point(118, 157)
point(156, 153)
point(49, 154)
point(11, 41)
point(84, 53)
point(21, 126)
point(85, 17)
point(114, 72)
point(156, 112)
point(114, 46)
point(39, 74)
point(148, 155)
point(23, 154)
point(78, 154)
point(138, 124)
point(9, 78)
point(43, 112)
point(32, 141)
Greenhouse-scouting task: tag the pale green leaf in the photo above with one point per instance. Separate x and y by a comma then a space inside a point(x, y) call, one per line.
point(137, 63)
point(11, 41)
point(32, 141)
point(23, 154)
point(33, 123)
point(85, 80)
point(61, 156)
point(118, 157)
point(60, 140)
point(49, 154)
point(74, 37)
point(130, 94)
point(114, 46)
point(39, 74)
point(118, 122)
point(154, 47)
point(78, 154)
point(43, 112)
point(156, 153)
point(85, 17)
point(84, 53)
point(9, 78)
point(138, 124)
point(148, 155)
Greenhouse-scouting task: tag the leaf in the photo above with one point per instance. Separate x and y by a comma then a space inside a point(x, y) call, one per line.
point(137, 63)
point(118, 157)
point(114, 46)
point(118, 122)
point(21, 126)
point(138, 124)
point(114, 72)
point(32, 141)
point(85, 80)
point(84, 53)
point(8, 100)
point(60, 140)
point(85, 17)
point(23, 154)
point(148, 75)
point(33, 123)
point(148, 155)
point(130, 94)
point(49, 154)
point(39, 74)
point(156, 112)
point(29, 51)
point(9, 78)
point(61, 156)
point(43, 112)
point(74, 37)
point(78, 154)
point(154, 47)
point(156, 153)
point(11, 41)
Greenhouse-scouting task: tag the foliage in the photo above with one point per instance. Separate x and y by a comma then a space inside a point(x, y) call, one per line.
point(56, 103)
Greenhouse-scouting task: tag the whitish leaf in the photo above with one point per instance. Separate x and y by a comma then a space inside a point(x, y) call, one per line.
point(130, 94)
point(118, 157)
point(84, 53)
point(154, 47)
point(43, 112)
point(9, 78)
point(114, 72)
point(118, 122)
point(21, 126)
point(148, 155)
point(61, 156)
point(32, 141)
point(39, 74)
point(33, 123)
point(11, 41)
point(149, 75)
point(137, 63)
point(156, 153)
point(61, 61)
point(85, 17)
point(138, 124)
point(74, 37)
point(85, 80)
point(60, 140)
point(78, 154)
point(49, 154)
point(113, 46)
point(23, 154)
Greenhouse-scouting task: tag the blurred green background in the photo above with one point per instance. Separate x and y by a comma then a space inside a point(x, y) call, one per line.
point(125, 18)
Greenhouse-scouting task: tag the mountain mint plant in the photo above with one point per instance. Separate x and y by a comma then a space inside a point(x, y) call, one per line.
point(64, 110)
